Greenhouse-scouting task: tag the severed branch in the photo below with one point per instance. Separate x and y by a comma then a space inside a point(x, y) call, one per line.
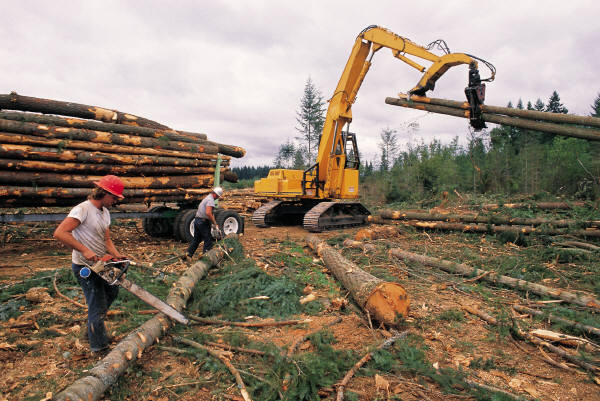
point(64, 296)
point(483, 315)
point(246, 324)
point(387, 343)
point(222, 358)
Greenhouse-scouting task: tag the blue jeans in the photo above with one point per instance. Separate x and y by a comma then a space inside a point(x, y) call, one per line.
point(99, 295)
point(201, 233)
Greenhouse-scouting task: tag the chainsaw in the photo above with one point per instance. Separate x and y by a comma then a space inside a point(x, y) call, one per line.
point(113, 272)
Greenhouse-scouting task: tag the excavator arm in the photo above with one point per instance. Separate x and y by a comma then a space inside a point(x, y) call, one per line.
point(331, 159)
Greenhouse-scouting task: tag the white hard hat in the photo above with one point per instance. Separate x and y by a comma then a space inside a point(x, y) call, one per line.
point(218, 191)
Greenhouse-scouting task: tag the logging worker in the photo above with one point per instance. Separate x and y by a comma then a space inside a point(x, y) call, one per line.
point(203, 221)
point(86, 231)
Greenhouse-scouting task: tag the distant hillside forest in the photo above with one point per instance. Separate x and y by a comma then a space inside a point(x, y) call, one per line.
point(502, 160)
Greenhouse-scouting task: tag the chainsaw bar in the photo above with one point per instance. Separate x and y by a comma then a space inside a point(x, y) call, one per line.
point(114, 276)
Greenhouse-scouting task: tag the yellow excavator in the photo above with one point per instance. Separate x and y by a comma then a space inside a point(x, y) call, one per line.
point(320, 196)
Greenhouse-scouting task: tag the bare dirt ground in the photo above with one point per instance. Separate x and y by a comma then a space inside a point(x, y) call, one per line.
point(42, 351)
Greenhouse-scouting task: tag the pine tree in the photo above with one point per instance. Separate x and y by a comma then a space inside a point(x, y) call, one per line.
point(539, 105)
point(596, 107)
point(554, 105)
point(310, 117)
point(285, 155)
point(389, 148)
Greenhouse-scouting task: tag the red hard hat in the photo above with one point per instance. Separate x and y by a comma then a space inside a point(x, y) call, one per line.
point(112, 184)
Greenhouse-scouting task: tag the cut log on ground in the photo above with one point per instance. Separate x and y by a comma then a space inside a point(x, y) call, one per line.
point(372, 233)
point(534, 205)
point(475, 218)
point(466, 270)
point(553, 318)
point(348, 243)
point(106, 372)
point(492, 229)
point(383, 301)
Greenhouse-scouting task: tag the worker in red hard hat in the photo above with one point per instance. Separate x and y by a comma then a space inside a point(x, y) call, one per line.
point(86, 231)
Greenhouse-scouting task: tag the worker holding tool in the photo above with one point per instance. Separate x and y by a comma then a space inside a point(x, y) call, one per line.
point(86, 231)
point(205, 219)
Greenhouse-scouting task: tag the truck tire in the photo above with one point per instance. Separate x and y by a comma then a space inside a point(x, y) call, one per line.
point(158, 226)
point(230, 222)
point(184, 225)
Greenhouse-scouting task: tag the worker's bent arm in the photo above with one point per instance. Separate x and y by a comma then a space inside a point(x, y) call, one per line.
point(210, 215)
point(64, 233)
point(110, 246)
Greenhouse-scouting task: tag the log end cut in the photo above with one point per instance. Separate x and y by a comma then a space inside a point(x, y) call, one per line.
point(388, 302)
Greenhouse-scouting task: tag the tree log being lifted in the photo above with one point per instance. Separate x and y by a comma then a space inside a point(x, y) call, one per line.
point(487, 228)
point(105, 373)
point(465, 270)
point(475, 218)
point(14, 101)
point(26, 152)
point(384, 301)
point(552, 128)
point(100, 126)
point(57, 167)
point(87, 181)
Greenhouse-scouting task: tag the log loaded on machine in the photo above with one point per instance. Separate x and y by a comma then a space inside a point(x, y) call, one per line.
point(321, 197)
point(51, 152)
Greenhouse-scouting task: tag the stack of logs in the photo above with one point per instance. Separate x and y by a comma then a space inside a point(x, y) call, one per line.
point(243, 201)
point(47, 159)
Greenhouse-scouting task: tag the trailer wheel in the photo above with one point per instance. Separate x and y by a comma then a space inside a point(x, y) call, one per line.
point(184, 225)
point(230, 222)
point(158, 226)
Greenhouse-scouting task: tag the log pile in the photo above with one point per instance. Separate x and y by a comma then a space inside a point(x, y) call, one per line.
point(51, 152)
point(243, 201)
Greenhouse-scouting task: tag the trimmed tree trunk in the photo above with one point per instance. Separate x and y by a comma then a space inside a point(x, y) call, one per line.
point(14, 101)
point(87, 181)
point(384, 301)
point(100, 126)
point(536, 205)
point(26, 152)
point(486, 228)
point(348, 243)
point(474, 218)
point(57, 167)
point(466, 270)
point(105, 373)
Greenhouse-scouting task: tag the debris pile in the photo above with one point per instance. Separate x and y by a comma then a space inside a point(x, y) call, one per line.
point(51, 152)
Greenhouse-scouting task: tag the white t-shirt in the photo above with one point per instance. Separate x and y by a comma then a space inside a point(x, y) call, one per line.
point(207, 201)
point(92, 230)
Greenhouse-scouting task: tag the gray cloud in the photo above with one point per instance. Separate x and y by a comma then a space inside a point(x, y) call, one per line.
point(236, 70)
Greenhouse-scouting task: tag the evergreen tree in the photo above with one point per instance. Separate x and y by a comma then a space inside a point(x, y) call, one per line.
point(596, 107)
point(389, 148)
point(310, 117)
point(554, 105)
point(539, 105)
point(285, 155)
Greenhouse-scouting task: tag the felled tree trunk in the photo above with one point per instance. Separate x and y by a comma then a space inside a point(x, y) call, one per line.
point(466, 270)
point(487, 228)
point(474, 218)
point(14, 101)
point(384, 301)
point(105, 373)
point(536, 205)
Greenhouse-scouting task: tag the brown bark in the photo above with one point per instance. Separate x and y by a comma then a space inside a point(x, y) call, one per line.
point(44, 166)
point(384, 301)
point(348, 243)
point(54, 132)
point(87, 181)
point(483, 315)
point(486, 228)
point(475, 218)
point(56, 192)
point(105, 373)
point(466, 270)
point(101, 126)
point(26, 152)
point(553, 128)
point(14, 101)
point(536, 205)
point(7, 137)
point(552, 318)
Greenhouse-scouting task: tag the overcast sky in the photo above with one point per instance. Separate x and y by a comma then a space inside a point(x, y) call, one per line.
point(236, 70)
